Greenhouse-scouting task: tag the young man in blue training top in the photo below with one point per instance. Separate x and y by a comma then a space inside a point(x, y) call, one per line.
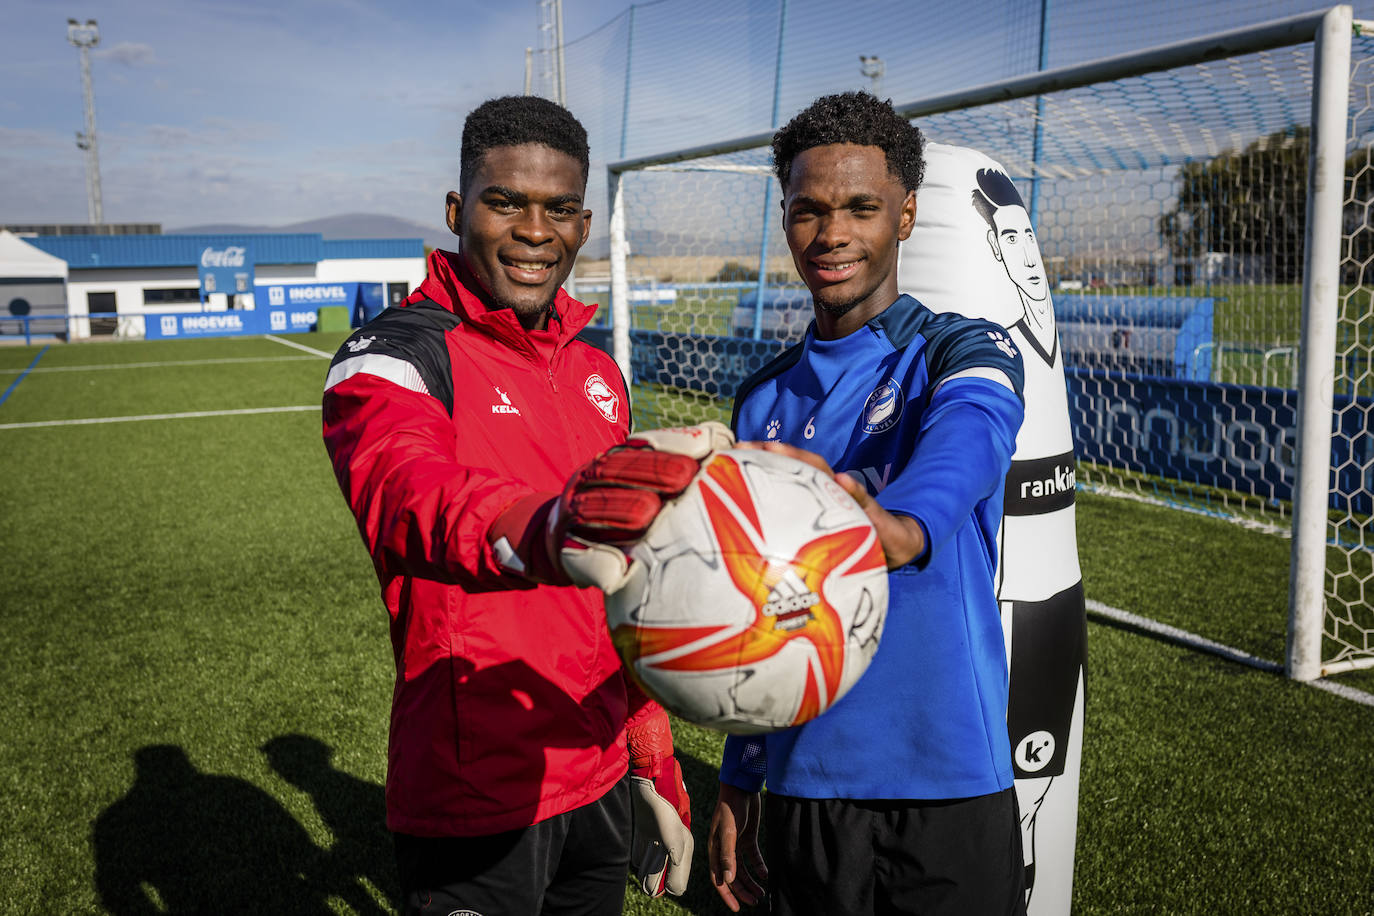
point(898, 799)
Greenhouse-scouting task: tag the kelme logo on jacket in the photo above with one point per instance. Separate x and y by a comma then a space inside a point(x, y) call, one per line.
point(602, 397)
point(505, 405)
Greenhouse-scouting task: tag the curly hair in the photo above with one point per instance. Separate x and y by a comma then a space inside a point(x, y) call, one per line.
point(515, 119)
point(853, 117)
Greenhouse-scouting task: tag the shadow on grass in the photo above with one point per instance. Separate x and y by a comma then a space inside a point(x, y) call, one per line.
point(184, 841)
point(353, 809)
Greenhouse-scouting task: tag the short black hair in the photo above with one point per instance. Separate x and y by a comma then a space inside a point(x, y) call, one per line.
point(853, 117)
point(513, 120)
point(995, 189)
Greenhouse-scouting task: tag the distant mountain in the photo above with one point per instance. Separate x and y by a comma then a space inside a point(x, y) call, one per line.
point(379, 226)
point(343, 226)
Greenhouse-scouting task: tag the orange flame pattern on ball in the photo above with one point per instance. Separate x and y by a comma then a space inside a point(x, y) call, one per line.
point(739, 533)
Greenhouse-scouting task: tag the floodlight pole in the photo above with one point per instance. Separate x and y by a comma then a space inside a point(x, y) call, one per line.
point(85, 37)
point(551, 50)
point(554, 76)
point(873, 67)
point(761, 284)
point(558, 47)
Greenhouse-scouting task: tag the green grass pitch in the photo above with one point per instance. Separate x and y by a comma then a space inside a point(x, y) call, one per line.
point(197, 672)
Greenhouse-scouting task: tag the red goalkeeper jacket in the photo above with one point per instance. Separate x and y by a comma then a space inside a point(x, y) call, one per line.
point(509, 704)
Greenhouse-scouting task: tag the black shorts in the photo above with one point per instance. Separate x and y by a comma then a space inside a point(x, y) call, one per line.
point(573, 864)
point(842, 857)
point(1049, 645)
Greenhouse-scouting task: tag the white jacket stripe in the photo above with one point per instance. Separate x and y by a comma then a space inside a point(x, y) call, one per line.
point(987, 372)
point(396, 371)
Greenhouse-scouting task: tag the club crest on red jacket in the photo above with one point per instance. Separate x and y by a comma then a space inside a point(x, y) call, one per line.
point(602, 397)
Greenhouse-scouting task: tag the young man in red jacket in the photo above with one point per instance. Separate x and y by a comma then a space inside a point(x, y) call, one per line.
point(484, 452)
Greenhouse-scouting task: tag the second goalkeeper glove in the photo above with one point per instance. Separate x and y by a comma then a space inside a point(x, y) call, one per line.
point(661, 840)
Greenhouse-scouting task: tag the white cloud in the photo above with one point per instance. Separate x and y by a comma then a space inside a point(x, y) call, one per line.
point(129, 54)
point(21, 140)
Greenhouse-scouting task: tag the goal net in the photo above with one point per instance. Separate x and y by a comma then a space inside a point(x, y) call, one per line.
point(1171, 199)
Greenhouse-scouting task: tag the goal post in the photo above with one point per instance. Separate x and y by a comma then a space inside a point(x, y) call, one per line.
point(1206, 215)
point(1317, 357)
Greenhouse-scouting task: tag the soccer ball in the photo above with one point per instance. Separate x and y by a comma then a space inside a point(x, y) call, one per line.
point(756, 599)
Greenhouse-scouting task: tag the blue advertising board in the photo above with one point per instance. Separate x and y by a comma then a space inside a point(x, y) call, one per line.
point(279, 308)
point(229, 324)
point(364, 301)
point(309, 295)
point(1237, 437)
point(226, 270)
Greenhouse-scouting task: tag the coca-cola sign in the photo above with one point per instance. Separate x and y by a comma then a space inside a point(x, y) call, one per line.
point(232, 256)
point(226, 269)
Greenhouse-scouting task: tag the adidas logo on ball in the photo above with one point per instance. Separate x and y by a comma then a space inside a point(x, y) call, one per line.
point(792, 608)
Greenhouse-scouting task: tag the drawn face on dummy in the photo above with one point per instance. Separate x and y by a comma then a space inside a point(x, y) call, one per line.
point(1014, 244)
point(1012, 240)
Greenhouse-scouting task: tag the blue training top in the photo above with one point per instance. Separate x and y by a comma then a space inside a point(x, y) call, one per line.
point(924, 409)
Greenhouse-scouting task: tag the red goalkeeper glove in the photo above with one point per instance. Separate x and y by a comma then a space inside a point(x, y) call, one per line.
point(581, 536)
point(661, 838)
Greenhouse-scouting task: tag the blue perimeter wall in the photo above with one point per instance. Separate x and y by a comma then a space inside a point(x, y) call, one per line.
point(1235, 437)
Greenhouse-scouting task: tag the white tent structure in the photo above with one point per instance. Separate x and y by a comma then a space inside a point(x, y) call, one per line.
point(33, 285)
point(20, 260)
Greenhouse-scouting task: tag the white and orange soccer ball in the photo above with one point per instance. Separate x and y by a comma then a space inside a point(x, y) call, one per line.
point(756, 599)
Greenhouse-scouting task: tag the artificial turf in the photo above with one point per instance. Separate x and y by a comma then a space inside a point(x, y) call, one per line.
point(198, 672)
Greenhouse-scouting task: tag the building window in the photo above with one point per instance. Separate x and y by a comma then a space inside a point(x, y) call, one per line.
point(171, 296)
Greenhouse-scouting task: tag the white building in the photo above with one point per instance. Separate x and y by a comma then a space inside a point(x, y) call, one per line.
point(130, 277)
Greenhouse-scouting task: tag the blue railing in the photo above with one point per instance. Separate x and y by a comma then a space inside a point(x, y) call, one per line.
point(50, 325)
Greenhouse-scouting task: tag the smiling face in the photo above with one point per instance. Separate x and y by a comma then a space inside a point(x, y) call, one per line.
point(1013, 241)
point(844, 213)
point(522, 222)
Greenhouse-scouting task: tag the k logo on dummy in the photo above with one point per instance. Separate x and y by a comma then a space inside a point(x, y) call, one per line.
point(974, 251)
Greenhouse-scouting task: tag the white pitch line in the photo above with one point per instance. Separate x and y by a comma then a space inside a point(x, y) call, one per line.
point(1183, 637)
point(1252, 524)
point(1341, 690)
point(158, 365)
point(1194, 641)
point(292, 343)
point(90, 421)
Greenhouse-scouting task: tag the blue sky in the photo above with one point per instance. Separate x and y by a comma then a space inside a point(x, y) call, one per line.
point(269, 113)
point(255, 112)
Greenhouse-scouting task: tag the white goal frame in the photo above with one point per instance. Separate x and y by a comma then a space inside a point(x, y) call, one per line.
point(1329, 31)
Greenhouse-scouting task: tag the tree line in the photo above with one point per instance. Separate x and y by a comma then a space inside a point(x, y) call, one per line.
point(1254, 203)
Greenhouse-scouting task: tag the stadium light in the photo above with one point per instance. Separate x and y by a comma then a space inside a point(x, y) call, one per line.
point(872, 66)
point(84, 37)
